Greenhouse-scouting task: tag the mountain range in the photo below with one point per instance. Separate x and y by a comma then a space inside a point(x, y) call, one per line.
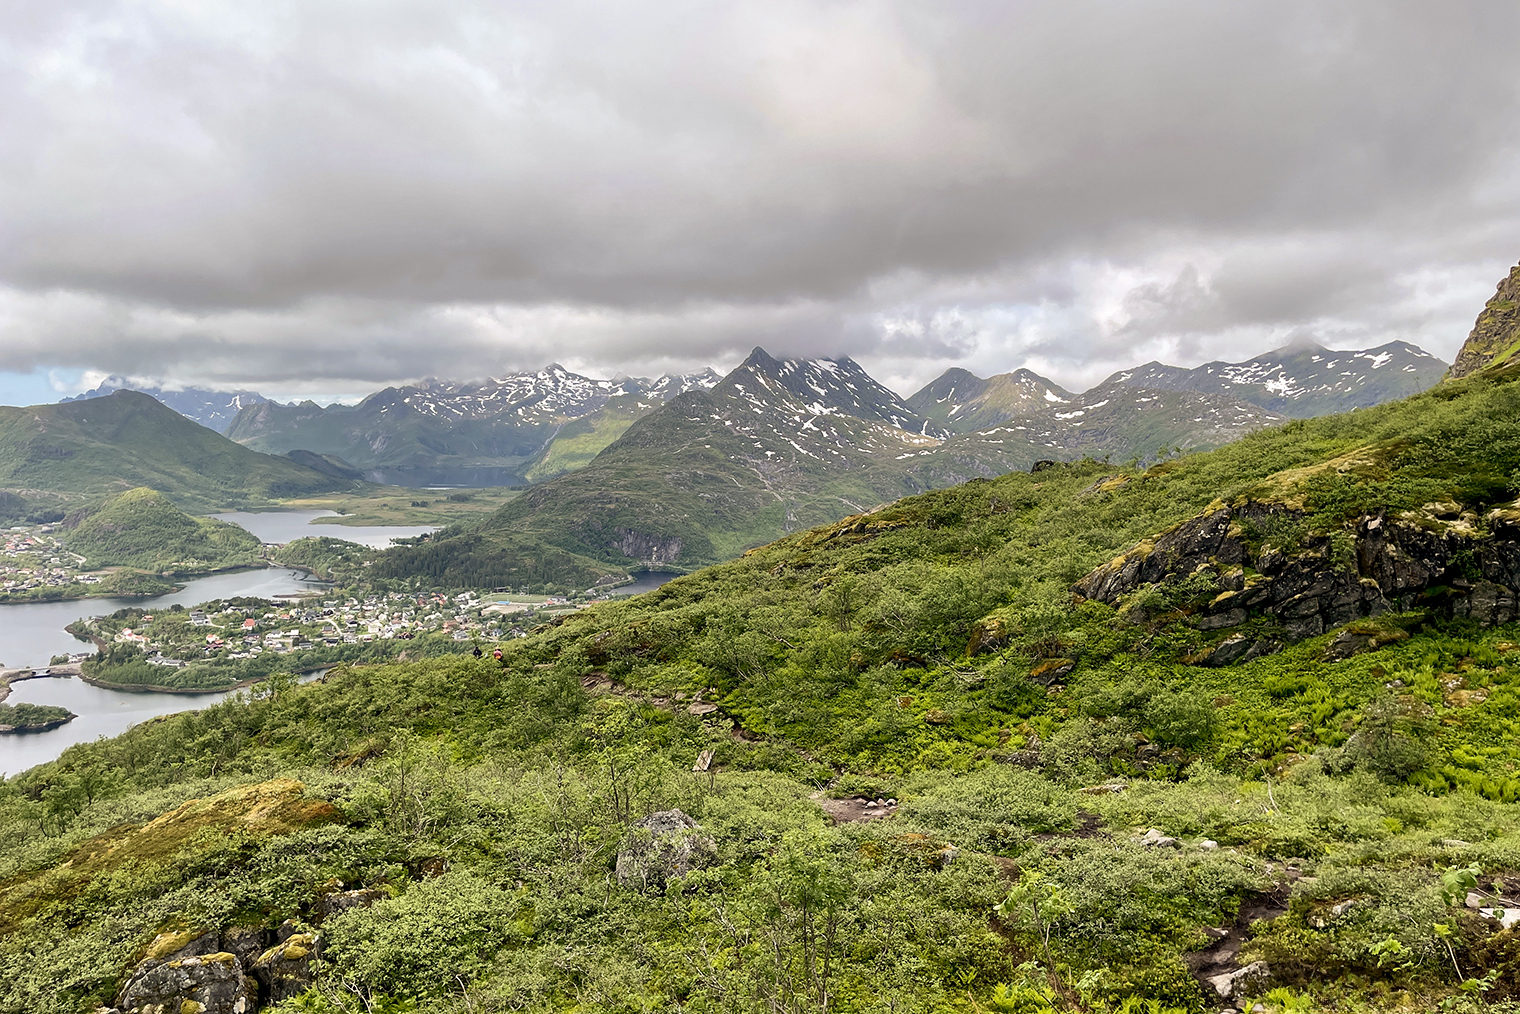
point(1303, 379)
point(782, 444)
point(528, 427)
point(213, 409)
point(516, 428)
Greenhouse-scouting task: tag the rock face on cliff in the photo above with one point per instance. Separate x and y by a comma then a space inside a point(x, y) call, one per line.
point(1434, 557)
point(1496, 335)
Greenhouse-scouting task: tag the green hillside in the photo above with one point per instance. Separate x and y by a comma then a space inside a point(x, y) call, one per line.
point(128, 440)
point(577, 442)
point(940, 779)
point(679, 488)
point(142, 529)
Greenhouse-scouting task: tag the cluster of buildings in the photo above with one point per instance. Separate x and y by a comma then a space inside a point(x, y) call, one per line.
point(33, 558)
point(218, 630)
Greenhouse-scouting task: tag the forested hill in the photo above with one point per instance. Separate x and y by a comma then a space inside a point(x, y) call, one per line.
point(142, 529)
point(1064, 778)
point(127, 440)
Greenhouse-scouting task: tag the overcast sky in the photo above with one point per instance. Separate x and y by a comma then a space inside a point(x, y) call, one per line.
point(322, 197)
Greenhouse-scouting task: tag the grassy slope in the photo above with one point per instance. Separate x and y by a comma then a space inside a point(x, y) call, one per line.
point(578, 442)
point(108, 445)
point(141, 528)
point(677, 488)
point(841, 652)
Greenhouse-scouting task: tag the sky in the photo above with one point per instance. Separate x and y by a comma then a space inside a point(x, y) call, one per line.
point(319, 198)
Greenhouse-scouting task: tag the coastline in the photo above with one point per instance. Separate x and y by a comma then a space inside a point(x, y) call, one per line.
point(17, 675)
point(176, 580)
point(26, 730)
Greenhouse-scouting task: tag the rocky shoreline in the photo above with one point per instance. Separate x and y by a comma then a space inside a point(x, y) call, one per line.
point(48, 726)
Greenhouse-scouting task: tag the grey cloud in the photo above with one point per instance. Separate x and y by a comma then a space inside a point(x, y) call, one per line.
point(271, 192)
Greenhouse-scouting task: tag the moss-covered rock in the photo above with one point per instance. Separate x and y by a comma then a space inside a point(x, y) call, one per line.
point(1496, 334)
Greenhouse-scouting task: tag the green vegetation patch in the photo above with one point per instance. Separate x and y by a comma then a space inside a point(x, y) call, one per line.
point(141, 528)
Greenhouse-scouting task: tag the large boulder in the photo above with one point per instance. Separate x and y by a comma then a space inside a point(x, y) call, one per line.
point(200, 984)
point(284, 970)
point(663, 847)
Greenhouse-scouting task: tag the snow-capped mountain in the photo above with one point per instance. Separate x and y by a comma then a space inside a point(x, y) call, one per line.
point(1011, 420)
point(829, 410)
point(779, 444)
point(501, 423)
point(212, 409)
point(963, 402)
point(553, 393)
point(1304, 379)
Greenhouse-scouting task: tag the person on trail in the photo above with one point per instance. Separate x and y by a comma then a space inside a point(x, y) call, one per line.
point(497, 655)
point(478, 652)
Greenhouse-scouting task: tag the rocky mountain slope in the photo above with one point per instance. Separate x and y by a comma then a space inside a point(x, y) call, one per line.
point(961, 402)
point(213, 409)
point(1301, 380)
point(1012, 420)
point(509, 423)
point(1495, 336)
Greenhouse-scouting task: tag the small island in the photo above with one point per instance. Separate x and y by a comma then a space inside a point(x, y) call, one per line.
point(16, 719)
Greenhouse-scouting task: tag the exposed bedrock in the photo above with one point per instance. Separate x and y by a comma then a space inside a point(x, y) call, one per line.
point(1438, 557)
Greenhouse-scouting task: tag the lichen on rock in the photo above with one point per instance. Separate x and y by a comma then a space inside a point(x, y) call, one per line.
point(661, 848)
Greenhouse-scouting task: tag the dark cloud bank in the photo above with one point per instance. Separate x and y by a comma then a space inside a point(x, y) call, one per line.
point(331, 196)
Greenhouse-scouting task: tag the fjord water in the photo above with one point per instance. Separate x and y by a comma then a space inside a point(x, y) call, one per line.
point(286, 526)
point(31, 633)
point(101, 713)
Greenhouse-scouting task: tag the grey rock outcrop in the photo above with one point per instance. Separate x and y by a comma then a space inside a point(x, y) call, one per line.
point(663, 847)
point(284, 970)
point(214, 982)
point(236, 970)
point(1496, 330)
point(1435, 557)
point(1234, 985)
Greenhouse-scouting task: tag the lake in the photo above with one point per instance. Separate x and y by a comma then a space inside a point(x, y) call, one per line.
point(287, 526)
point(101, 713)
point(32, 632)
point(644, 581)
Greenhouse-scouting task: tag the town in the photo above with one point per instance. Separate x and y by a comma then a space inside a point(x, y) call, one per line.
point(36, 559)
point(228, 642)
